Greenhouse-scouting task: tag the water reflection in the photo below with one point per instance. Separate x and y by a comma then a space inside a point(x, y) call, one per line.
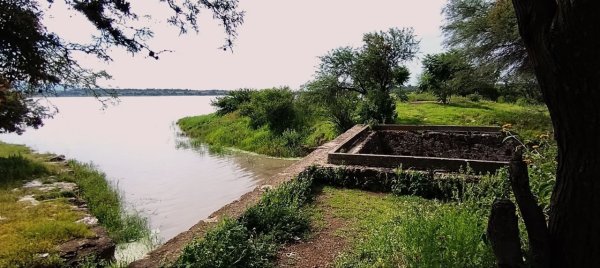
point(139, 148)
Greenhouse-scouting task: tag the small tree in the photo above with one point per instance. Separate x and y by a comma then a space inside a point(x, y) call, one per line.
point(232, 101)
point(339, 106)
point(369, 72)
point(448, 74)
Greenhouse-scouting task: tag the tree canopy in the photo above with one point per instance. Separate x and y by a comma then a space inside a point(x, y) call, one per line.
point(369, 72)
point(487, 34)
point(33, 59)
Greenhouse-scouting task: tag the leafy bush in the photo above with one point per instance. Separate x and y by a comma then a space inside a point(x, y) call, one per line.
point(230, 244)
point(421, 96)
point(271, 107)
point(377, 107)
point(252, 240)
point(475, 97)
point(401, 182)
point(279, 214)
point(232, 101)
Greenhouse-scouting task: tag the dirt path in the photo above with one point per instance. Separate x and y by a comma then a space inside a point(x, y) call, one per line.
point(324, 245)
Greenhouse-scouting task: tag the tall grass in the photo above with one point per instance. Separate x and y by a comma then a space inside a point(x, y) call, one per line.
point(234, 130)
point(391, 231)
point(252, 240)
point(105, 203)
point(16, 168)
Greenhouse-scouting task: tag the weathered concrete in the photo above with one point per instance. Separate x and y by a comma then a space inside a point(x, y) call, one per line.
point(364, 148)
point(169, 251)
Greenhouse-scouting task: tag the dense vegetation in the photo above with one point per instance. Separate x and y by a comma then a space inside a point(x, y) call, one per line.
point(273, 121)
point(253, 240)
point(306, 128)
point(28, 231)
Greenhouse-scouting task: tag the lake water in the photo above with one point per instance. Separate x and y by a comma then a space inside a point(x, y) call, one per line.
point(137, 144)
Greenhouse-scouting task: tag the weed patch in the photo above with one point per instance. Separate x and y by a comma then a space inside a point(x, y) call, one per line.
point(252, 240)
point(105, 204)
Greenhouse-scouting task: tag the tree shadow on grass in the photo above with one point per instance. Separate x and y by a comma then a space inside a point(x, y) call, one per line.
point(470, 105)
point(16, 168)
point(410, 121)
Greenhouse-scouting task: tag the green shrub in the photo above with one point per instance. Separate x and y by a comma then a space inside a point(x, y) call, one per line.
point(291, 140)
point(279, 214)
point(421, 96)
point(401, 182)
point(230, 244)
point(252, 240)
point(475, 97)
point(377, 107)
point(525, 102)
point(232, 101)
point(271, 107)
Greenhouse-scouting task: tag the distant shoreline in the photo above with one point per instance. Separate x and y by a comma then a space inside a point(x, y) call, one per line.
point(135, 92)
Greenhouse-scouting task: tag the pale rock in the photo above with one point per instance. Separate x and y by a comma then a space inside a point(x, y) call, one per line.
point(30, 199)
point(88, 220)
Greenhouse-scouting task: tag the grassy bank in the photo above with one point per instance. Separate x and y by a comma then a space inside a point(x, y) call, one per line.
point(31, 230)
point(236, 131)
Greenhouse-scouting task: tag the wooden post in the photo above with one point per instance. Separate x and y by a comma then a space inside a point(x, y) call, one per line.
point(503, 234)
point(533, 216)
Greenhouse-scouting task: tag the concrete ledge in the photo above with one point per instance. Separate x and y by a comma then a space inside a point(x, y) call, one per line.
point(346, 153)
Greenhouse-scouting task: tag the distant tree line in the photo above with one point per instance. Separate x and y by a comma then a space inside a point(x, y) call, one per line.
point(138, 92)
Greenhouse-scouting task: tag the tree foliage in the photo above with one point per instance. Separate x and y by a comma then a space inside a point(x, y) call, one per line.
point(232, 101)
point(273, 107)
point(449, 73)
point(487, 34)
point(367, 73)
point(35, 60)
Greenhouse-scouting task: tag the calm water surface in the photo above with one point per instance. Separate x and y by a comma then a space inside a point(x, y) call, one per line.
point(136, 143)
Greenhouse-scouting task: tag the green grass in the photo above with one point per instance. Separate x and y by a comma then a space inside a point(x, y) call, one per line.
point(105, 203)
point(529, 121)
point(27, 231)
point(233, 130)
point(392, 231)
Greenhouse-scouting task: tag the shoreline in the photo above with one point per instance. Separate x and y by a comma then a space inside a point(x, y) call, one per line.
point(171, 249)
point(81, 212)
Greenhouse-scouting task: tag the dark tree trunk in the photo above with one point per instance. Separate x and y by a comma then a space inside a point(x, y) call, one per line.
point(563, 41)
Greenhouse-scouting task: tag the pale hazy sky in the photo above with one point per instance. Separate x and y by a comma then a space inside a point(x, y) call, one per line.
point(278, 44)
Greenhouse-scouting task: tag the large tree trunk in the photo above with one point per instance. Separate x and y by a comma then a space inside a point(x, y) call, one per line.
point(563, 41)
